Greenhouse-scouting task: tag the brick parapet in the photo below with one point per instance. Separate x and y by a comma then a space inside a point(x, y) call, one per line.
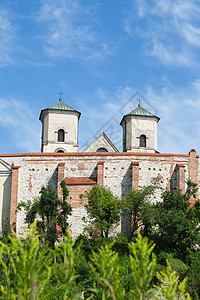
point(14, 197)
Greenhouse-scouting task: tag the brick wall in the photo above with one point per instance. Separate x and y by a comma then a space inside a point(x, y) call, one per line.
point(118, 171)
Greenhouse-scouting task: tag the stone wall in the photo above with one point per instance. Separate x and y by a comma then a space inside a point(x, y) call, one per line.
point(118, 171)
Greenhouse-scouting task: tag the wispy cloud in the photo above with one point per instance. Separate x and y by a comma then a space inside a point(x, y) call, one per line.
point(169, 29)
point(20, 125)
point(178, 129)
point(66, 30)
point(178, 109)
point(7, 33)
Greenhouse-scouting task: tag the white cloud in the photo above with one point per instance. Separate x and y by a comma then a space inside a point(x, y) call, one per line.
point(169, 55)
point(7, 32)
point(66, 30)
point(192, 34)
point(178, 109)
point(168, 29)
point(178, 129)
point(20, 127)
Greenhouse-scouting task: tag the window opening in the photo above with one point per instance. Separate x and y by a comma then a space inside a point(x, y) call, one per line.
point(102, 150)
point(143, 140)
point(61, 135)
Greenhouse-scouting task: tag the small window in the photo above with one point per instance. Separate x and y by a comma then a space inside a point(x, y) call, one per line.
point(61, 135)
point(60, 151)
point(102, 150)
point(143, 140)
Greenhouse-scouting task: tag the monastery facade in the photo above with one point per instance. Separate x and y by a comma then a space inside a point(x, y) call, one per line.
point(23, 175)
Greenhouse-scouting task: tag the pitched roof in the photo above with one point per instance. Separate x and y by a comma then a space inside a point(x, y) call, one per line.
point(102, 141)
point(140, 111)
point(61, 106)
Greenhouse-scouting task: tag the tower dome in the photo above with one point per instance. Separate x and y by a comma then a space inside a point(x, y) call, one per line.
point(59, 128)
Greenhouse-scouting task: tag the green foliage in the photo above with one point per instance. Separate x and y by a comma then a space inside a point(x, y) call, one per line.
point(65, 255)
point(193, 273)
point(26, 268)
point(106, 283)
point(143, 263)
point(176, 222)
point(104, 210)
point(65, 210)
point(48, 210)
point(138, 206)
point(6, 232)
point(170, 288)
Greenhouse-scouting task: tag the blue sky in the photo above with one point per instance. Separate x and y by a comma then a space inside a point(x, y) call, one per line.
point(102, 55)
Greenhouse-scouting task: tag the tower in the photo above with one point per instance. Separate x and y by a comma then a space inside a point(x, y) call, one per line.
point(140, 131)
point(59, 128)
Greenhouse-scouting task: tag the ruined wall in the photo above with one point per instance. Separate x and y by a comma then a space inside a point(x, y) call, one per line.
point(118, 171)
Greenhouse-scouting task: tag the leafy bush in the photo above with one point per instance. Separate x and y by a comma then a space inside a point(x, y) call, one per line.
point(32, 272)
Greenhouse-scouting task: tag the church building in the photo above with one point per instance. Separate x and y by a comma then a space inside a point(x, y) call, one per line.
point(23, 175)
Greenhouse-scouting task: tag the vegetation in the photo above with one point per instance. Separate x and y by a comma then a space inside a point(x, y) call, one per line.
point(48, 211)
point(29, 272)
point(103, 209)
point(153, 266)
point(139, 208)
point(176, 223)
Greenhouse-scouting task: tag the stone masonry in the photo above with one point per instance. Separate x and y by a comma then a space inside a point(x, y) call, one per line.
point(118, 171)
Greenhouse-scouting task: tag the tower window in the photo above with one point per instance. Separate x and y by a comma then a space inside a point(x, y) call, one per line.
point(143, 140)
point(61, 135)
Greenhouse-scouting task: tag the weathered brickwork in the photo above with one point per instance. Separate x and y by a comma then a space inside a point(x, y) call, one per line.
point(118, 171)
point(193, 170)
point(135, 175)
point(181, 177)
point(100, 173)
point(14, 197)
point(61, 176)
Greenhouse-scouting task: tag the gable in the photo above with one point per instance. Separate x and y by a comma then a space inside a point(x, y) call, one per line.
point(5, 168)
point(101, 142)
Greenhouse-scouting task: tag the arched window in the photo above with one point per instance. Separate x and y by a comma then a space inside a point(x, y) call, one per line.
point(61, 135)
point(143, 140)
point(102, 150)
point(60, 151)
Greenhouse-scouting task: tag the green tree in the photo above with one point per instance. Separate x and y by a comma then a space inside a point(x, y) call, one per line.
point(65, 210)
point(103, 209)
point(170, 286)
point(139, 207)
point(48, 211)
point(176, 222)
point(105, 270)
point(25, 266)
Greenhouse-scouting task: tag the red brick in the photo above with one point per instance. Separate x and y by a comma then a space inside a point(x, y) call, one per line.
point(14, 197)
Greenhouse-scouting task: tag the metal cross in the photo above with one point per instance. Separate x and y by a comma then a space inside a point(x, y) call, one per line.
point(61, 93)
point(139, 101)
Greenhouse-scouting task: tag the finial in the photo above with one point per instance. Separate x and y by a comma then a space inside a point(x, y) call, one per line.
point(61, 93)
point(139, 99)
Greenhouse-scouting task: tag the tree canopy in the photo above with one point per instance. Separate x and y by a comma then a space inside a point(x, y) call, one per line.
point(176, 223)
point(103, 209)
point(48, 211)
